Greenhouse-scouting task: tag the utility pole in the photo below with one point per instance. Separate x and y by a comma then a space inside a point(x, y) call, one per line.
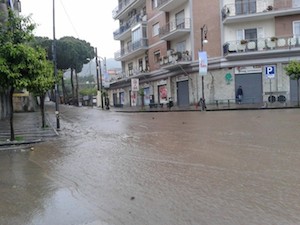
point(55, 71)
point(97, 74)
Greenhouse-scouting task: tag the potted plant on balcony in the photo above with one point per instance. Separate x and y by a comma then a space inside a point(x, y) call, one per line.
point(178, 55)
point(273, 38)
point(243, 42)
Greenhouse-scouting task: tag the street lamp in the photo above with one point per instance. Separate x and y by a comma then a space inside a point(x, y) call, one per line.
point(55, 70)
point(204, 40)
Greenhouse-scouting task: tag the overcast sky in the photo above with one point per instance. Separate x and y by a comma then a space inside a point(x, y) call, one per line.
point(89, 20)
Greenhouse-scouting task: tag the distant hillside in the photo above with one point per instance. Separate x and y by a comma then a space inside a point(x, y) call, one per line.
point(90, 68)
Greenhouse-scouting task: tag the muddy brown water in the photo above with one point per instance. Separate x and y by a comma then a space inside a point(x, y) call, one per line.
point(171, 168)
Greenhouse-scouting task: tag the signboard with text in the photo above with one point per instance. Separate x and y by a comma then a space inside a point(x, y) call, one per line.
point(135, 86)
point(270, 71)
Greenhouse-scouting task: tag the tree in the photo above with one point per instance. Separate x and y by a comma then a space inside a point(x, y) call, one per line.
point(72, 53)
point(18, 61)
point(293, 71)
point(43, 81)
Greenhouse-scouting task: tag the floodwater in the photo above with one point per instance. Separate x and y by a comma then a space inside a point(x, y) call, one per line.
point(171, 168)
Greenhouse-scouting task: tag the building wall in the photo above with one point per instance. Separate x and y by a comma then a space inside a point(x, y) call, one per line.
point(217, 87)
point(284, 25)
point(207, 13)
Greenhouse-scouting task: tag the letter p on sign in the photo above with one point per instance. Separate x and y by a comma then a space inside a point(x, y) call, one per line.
point(270, 71)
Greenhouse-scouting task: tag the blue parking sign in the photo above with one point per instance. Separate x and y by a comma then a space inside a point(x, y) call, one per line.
point(270, 71)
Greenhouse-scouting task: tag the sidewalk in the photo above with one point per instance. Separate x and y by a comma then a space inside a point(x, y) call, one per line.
point(28, 130)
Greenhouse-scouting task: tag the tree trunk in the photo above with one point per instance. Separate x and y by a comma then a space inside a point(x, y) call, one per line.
point(298, 92)
point(72, 87)
point(42, 108)
point(11, 114)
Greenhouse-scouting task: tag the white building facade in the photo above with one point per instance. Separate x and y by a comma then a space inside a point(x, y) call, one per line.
point(249, 43)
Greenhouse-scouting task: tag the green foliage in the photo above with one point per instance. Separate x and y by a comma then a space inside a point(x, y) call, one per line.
point(141, 92)
point(21, 65)
point(293, 70)
point(44, 79)
point(88, 91)
point(45, 43)
point(73, 53)
point(16, 29)
point(17, 59)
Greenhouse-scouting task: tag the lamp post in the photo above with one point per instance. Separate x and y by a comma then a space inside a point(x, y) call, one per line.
point(99, 95)
point(55, 71)
point(204, 40)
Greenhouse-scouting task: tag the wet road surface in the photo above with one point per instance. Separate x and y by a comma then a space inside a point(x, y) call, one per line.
point(171, 168)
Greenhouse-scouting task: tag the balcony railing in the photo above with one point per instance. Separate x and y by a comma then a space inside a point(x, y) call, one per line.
point(129, 24)
point(257, 6)
point(141, 44)
point(169, 5)
point(174, 26)
point(162, 2)
point(121, 7)
point(261, 45)
point(175, 57)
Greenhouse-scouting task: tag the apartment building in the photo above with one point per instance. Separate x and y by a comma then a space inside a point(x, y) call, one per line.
point(248, 43)
point(15, 5)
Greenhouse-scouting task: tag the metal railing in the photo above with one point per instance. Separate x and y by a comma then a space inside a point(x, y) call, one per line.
point(175, 25)
point(262, 44)
point(128, 24)
point(176, 57)
point(257, 6)
point(142, 43)
point(121, 7)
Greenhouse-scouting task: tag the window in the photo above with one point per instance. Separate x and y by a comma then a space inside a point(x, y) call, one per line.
point(157, 56)
point(141, 65)
point(296, 3)
point(136, 35)
point(180, 20)
point(245, 7)
point(155, 29)
point(154, 4)
point(248, 34)
point(130, 69)
point(296, 28)
point(129, 46)
point(180, 46)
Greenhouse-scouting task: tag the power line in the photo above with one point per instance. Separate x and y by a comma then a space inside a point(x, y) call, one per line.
point(69, 18)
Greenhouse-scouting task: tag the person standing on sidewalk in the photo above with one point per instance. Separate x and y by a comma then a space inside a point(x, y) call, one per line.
point(239, 94)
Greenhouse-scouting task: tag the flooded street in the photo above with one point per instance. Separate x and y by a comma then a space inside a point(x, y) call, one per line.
point(171, 168)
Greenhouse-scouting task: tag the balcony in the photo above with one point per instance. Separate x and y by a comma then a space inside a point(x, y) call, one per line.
point(174, 59)
point(169, 5)
point(125, 7)
point(254, 10)
point(133, 50)
point(124, 32)
point(262, 48)
point(175, 29)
